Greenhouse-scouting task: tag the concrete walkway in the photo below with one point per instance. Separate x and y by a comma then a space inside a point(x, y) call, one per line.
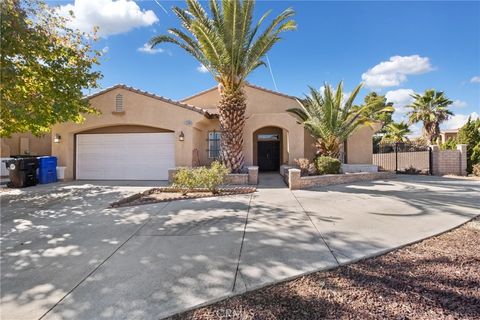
point(66, 256)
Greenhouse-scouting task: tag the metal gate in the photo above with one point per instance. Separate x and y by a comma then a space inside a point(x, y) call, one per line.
point(403, 157)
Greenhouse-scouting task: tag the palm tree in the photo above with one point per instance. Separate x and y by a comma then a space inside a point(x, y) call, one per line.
point(432, 109)
point(396, 132)
point(331, 119)
point(230, 46)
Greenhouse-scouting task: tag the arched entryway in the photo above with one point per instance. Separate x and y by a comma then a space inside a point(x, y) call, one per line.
point(268, 148)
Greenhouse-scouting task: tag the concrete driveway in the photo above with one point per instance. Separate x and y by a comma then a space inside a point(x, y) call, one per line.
point(66, 256)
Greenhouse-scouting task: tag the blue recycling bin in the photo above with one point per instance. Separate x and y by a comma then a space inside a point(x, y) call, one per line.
point(47, 169)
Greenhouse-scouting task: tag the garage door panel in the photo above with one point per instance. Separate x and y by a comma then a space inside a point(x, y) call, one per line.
point(131, 156)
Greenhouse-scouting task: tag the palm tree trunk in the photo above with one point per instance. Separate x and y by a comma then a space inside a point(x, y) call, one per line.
point(231, 110)
point(428, 131)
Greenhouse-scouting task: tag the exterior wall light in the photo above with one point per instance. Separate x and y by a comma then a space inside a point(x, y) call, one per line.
point(181, 137)
point(57, 138)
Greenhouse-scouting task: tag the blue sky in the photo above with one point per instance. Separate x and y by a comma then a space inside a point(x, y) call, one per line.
point(396, 48)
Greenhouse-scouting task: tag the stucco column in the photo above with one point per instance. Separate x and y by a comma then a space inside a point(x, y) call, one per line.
point(294, 179)
point(63, 150)
point(253, 175)
point(435, 162)
point(462, 148)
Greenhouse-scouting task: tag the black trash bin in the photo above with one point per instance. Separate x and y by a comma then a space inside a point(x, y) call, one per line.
point(22, 171)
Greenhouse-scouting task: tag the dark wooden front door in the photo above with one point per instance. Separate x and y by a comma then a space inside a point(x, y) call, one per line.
point(268, 155)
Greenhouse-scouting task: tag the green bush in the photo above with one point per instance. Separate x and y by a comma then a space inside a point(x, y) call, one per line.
point(211, 178)
point(469, 134)
point(450, 144)
point(327, 165)
point(188, 179)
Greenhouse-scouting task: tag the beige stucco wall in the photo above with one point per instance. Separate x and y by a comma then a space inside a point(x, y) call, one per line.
point(148, 114)
point(269, 109)
point(264, 109)
point(202, 128)
point(360, 145)
point(140, 110)
point(36, 145)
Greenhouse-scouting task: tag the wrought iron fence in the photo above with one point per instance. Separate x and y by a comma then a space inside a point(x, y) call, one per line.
point(403, 157)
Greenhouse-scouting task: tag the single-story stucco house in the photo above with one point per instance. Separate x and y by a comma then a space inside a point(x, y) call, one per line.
point(140, 135)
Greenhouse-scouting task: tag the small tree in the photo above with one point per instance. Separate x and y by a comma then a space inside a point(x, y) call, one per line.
point(45, 66)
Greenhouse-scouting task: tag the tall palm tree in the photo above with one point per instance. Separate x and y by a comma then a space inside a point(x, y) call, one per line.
point(331, 119)
point(431, 108)
point(230, 46)
point(396, 132)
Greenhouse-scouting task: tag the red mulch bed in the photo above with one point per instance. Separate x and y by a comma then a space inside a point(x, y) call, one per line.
point(170, 194)
point(438, 278)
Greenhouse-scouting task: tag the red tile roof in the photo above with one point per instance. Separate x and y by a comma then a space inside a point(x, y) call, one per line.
point(248, 85)
point(202, 111)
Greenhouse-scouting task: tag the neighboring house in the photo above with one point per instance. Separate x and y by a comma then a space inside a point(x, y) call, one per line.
point(448, 134)
point(139, 135)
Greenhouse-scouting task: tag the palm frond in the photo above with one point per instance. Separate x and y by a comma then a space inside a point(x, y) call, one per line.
point(226, 40)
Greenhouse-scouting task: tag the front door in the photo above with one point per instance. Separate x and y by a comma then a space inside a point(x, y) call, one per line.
point(268, 155)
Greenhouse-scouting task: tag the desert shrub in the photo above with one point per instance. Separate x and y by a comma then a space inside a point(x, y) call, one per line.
point(327, 165)
point(450, 144)
point(476, 170)
point(474, 156)
point(312, 170)
point(211, 178)
point(188, 179)
point(412, 170)
point(420, 141)
point(469, 134)
point(305, 166)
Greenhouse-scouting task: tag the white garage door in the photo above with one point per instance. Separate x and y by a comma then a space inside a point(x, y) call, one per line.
point(125, 156)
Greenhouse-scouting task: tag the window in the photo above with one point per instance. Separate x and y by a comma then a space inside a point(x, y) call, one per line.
point(119, 103)
point(214, 144)
point(268, 137)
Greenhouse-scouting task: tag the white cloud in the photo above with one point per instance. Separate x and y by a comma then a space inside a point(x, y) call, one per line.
point(457, 121)
point(201, 68)
point(395, 71)
point(345, 94)
point(416, 131)
point(475, 79)
point(105, 50)
point(112, 17)
point(149, 50)
point(400, 98)
point(459, 104)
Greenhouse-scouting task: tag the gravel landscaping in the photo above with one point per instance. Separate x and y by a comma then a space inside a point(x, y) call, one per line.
point(171, 193)
point(438, 278)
